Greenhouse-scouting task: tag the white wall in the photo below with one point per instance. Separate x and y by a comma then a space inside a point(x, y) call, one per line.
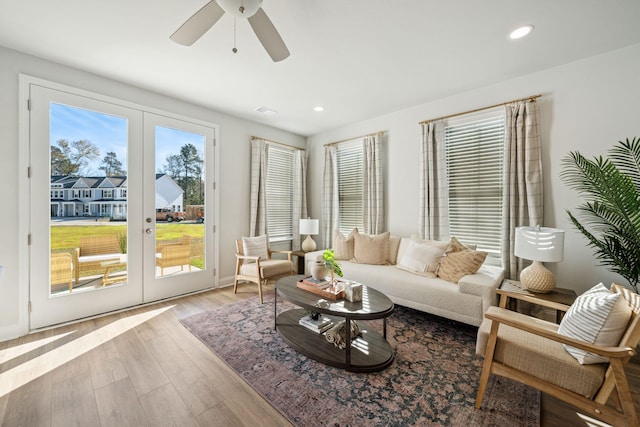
point(588, 106)
point(234, 153)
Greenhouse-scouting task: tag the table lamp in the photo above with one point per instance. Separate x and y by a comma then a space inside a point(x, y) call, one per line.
point(309, 227)
point(539, 244)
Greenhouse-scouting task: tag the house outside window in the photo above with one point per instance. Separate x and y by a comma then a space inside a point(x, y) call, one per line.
point(279, 189)
point(350, 161)
point(474, 158)
point(107, 194)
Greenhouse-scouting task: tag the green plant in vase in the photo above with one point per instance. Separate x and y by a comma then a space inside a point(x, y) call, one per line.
point(329, 258)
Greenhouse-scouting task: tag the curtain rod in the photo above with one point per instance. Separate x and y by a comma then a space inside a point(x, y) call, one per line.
point(380, 133)
point(528, 98)
point(277, 143)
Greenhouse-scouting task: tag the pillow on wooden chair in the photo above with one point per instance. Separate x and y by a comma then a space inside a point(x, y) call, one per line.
point(598, 316)
point(256, 246)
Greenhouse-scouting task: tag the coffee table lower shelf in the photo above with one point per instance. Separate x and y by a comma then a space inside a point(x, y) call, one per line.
point(369, 352)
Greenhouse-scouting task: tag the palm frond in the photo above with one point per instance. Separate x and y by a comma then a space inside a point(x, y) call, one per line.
point(610, 213)
point(626, 157)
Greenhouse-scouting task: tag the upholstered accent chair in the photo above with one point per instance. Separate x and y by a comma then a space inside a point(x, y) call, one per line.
point(531, 351)
point(254, 263)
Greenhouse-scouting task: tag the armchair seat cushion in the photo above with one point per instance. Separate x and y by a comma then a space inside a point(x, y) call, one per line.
point(541, 357)
point(269, 268)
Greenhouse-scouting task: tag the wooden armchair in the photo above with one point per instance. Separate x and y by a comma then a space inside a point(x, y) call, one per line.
point(260, 270)
point(62, 269)
point(530, 351)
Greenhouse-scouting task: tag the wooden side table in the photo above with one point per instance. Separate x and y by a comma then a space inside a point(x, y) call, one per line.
point(300, 256)
point(511, 291)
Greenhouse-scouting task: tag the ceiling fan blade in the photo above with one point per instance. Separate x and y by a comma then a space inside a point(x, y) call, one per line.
point(268, 36)
point(198, 24)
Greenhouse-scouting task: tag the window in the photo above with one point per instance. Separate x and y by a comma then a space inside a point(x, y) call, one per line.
point(107, 194)
point(350, 159)
point(474, 158)
point(279, 188)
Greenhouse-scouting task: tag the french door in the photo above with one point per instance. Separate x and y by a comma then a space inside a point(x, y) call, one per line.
point(121, 206)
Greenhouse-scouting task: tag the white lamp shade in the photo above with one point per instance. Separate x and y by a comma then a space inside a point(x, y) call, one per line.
point(309, 226)
point(541, 244)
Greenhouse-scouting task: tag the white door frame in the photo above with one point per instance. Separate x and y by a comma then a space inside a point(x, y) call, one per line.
point(24, 155)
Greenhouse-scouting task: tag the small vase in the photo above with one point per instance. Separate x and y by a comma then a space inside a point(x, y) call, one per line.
point(319, 271)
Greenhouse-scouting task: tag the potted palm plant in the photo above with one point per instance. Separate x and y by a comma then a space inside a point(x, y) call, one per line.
point(610, 213)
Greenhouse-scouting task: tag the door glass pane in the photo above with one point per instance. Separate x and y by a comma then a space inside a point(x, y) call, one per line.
point(179, 201)
point(88, 226)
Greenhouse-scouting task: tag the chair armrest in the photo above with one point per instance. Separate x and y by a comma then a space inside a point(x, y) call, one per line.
point(248, 258)
point(288, 253)
point(534, 300)
point(536, 327)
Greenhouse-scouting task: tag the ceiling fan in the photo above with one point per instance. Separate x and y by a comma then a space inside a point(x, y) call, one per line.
point(205, 18)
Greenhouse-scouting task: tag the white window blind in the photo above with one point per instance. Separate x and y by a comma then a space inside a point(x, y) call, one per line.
point(279, 188)
point(474, 153)
point(350, 157)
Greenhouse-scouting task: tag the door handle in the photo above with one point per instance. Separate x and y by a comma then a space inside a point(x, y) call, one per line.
point(148, 231)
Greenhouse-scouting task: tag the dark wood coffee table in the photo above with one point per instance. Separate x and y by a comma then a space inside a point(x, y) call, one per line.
point(367, 353)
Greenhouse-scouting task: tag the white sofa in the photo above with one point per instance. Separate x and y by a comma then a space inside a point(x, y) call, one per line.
point(465, 301)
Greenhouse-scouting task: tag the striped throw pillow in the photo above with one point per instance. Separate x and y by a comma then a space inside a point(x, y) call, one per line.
point(598, 316)
point(255, 246)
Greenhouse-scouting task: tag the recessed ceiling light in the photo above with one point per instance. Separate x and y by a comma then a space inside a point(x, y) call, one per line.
point(265, 110)
point(318, 108)
point(521, 32)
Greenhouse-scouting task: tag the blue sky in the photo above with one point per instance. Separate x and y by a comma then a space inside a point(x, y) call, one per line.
point(109, 133)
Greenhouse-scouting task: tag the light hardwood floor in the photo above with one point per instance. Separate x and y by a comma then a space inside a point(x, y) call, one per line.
point(142, 368)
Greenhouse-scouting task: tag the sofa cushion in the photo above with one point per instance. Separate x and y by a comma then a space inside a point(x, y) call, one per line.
point(343, 246)
point(420, 258)
point(598, 316)
point(371, 249)
point(457, 263)
point(255, 246)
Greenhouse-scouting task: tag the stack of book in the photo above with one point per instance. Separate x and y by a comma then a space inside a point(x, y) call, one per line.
point(320, 284)
point(322, 324)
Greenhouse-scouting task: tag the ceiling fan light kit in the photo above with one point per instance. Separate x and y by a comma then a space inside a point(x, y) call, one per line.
point(205, 18)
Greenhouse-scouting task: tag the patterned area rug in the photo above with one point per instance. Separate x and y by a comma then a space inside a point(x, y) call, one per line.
point(432, 381)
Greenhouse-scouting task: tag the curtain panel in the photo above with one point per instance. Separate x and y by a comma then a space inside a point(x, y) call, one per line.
point(433, 214)
point(523, 186)
point(373, 194)
point(258, 204)
point(299, 194)
point(329, 195)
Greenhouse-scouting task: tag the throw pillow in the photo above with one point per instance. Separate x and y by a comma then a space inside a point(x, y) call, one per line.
point(455, 246)
point(394, 246)
point(420, 257)
point(455, 265)
point(255, 246)
point(598, 316)
point(371, 249)
point(343, 246)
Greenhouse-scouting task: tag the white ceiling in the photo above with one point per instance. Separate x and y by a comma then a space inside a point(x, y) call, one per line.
point(357, 58)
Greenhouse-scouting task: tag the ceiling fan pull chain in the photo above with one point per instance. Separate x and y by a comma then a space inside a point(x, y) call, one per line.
point(234, 50)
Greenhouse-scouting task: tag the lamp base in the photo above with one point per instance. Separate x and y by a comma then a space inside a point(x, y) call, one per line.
point(537, 278)
point(309, 244)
